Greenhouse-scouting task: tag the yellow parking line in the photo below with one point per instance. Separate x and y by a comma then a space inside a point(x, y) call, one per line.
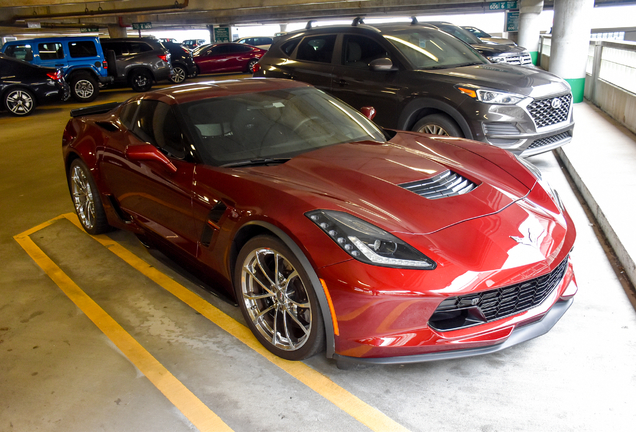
point(352, 405)
point(196, 411)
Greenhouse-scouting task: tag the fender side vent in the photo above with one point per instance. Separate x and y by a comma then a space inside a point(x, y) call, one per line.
point(212, 223)
point(443, 185)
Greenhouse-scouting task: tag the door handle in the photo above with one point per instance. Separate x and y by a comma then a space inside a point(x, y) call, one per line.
point(343, 83)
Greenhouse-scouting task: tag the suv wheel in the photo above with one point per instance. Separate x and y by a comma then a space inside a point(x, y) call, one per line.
point(438, 124)
point(179, 74)
point(141, 80)
point(84, 87)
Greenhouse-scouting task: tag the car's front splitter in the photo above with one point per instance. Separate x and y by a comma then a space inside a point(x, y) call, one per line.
point(519, 335)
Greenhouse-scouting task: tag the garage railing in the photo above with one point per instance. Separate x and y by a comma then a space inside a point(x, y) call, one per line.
point(611, 77)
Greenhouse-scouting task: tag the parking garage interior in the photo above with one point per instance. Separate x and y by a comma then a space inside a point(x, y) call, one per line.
point(99, 333)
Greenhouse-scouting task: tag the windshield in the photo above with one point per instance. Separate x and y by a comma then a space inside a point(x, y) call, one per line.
point(273, 125)
point(459, 33)
point(433, 49)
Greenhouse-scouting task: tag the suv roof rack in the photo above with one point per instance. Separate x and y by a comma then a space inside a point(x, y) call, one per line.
point(357, 20)
point(309, 24)
point(414, 20)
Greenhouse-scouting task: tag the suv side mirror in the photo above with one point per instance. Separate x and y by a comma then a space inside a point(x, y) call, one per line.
point(382, 65)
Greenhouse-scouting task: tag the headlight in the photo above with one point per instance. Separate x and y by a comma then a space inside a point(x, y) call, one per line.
point(542, 181)
point(491, 96)
point(368, 243)
point(497, 59)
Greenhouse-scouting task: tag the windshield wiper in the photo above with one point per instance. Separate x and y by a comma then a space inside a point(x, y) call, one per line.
point(255, 162)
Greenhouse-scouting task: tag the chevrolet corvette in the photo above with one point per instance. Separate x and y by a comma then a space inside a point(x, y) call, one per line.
point(331, 234)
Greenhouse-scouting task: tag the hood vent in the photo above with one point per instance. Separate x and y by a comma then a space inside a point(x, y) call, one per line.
point(442, 185)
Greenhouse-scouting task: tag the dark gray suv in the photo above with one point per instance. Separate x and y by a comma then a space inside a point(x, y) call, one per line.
point(139, 61)
point(420, 78)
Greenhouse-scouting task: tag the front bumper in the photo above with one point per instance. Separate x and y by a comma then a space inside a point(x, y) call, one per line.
point(518, 335)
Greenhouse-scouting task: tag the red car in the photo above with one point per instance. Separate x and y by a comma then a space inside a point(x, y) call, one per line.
point(330, 233)
point(227, 57)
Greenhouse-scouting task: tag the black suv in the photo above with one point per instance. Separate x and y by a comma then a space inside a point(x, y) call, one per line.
point(420, 78)
point(183, 65)
point(138, 61)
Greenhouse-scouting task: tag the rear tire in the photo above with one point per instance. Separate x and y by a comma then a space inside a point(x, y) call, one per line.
point(250, 65)
point(141, 80)
point(84, 87)
point(179, 74)
point(86, 199)
point(438, 124)
point(19, 102)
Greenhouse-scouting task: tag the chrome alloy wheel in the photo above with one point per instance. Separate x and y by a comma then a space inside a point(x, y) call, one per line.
point(83, 197)
point(19, 102)
point(433, 129)
point(178, 75)
point(84, 89)
point(276, 299)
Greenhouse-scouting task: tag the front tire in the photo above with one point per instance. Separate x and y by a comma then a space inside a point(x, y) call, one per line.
point(251, 64)
point(141, 80)
point(277, 299)
point(86, 199)
point(438, 124)
point(179, 74)
point(19, 102)
point(84, 87)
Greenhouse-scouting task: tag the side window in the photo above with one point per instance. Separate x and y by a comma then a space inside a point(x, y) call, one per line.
point(82, 49)
point(51, 51)
point(21, 52)
point(127, 114)
point(317, 48)
point(138, 47)
point(157, 124)
point(289, 47)
point(359, 51)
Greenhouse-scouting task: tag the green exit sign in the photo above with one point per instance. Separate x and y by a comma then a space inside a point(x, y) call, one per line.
point(142, 26)
point(503, 5)
point(89, 29)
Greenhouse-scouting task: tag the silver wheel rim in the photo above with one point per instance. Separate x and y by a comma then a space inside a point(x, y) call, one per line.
point(84, 89)
point(276, 299)
point(433, 129)
point(178, 75)
point(251, 65)
point(141, 80)
point(83, 197)
point(19, 102)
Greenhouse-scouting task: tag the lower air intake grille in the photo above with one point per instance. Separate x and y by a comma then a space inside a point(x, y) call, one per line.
point(550, 140)
point(442, 185)
point(472, 309)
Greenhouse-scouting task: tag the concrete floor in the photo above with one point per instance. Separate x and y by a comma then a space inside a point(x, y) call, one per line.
point(59, 372)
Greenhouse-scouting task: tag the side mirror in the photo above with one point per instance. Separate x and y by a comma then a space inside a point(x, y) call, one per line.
point(148, 152)
point(382, 65)
point(368, 112)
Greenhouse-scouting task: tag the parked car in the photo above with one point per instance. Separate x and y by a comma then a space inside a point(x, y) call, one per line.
point(485, 37)
point(23, 86)
point(139, 62)
point(193, 43)
point(183, 65)
point(81, 60)
point(496, 53)
point(169, 40)
point(330, 233)
point(227, 57)
point(422, 79)
point(262, 42)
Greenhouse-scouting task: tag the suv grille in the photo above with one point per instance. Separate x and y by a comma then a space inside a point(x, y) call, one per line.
point(544, 114)
point(549, 140)
point(444, 184)
point(521, 59)
point(471, 309)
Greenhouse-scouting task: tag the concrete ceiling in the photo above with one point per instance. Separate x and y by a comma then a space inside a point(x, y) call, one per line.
point(28, 16)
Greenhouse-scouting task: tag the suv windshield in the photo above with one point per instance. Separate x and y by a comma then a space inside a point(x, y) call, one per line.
point(433, 49)
point(272, 125)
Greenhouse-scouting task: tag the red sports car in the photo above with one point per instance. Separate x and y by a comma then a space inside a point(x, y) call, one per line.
point(227, 57)
point(330, 233)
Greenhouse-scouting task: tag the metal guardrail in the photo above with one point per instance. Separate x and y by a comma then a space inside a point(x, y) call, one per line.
point(611, 77)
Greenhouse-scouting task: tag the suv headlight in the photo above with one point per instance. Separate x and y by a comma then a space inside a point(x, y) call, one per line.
point(368, 243)
point(543, 182)
point(497, 59)
point(491, 96)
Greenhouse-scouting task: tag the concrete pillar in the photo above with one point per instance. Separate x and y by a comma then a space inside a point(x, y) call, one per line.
point(283, 28)
point(115, 31)
point(570, 42)
point(530, 26)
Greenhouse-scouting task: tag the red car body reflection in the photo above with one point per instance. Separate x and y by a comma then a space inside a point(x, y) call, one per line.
point(227, 57)
point(493, 269)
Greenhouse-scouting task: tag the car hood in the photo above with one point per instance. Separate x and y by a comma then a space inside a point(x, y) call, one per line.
point(515, 79)
point(490, 49)
point(367, 178)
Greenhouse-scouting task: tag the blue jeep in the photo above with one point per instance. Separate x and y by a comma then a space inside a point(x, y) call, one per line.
point(81, 59)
